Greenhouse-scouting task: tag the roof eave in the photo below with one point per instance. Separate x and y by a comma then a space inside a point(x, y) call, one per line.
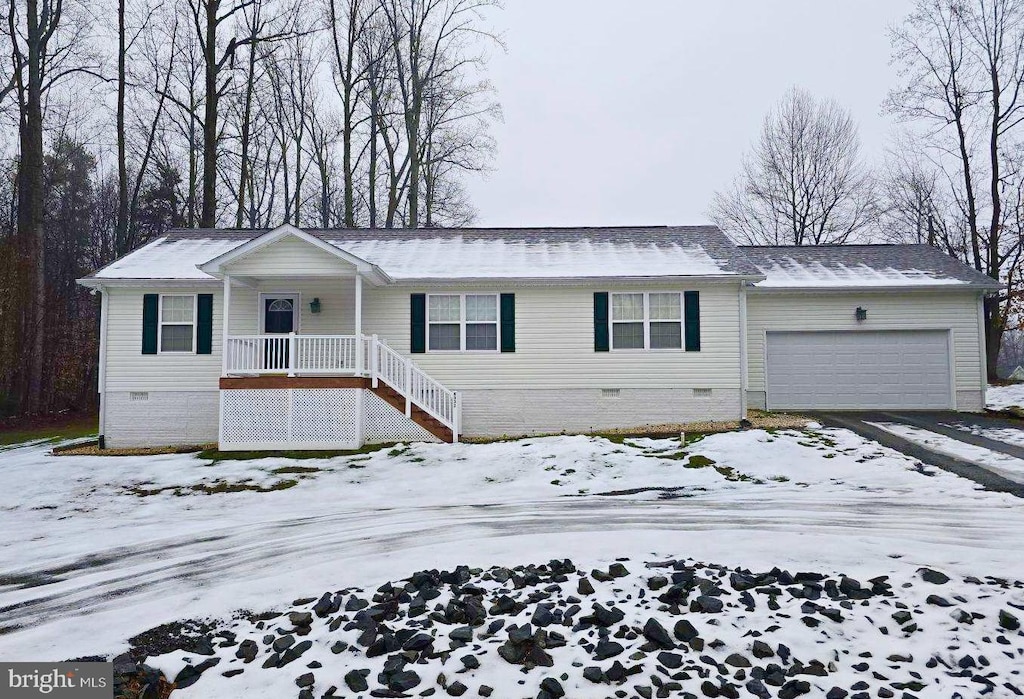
point(964, 286)
point(94, 282)
point(565, 280)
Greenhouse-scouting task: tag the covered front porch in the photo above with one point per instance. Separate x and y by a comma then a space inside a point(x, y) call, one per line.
point(299, 372)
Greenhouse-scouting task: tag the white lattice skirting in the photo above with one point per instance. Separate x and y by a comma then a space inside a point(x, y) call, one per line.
point(311, 418)
point(382, 423)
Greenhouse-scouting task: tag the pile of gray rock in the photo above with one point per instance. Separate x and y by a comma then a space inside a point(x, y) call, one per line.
point(668, 628)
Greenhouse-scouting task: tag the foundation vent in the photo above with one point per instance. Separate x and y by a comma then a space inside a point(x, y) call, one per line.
point(702, 393)
point(138, 396)
point(610, 392)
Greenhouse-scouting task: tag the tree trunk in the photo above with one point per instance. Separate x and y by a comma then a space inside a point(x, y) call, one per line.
point(121, 228)
point(994, 326)
point(30, 208)
point(208, 217)
point(246, 119)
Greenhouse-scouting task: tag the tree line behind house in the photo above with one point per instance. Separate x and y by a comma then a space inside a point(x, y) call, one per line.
point(133, 117)
point(129, 117)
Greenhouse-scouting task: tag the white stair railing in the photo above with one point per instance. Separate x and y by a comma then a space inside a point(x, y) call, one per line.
point(415, 385)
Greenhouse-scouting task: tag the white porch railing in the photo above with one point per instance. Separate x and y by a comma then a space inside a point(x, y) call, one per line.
point(368, 356)
point(292, 354)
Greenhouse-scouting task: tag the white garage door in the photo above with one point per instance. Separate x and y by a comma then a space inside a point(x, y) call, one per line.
point(858, 370)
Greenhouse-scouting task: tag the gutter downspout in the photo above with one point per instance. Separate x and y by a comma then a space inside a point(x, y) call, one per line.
point(102, 377)
point(743, 349)
point(983, 345)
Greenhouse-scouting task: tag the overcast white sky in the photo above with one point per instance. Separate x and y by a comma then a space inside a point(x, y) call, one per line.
point(620, 113)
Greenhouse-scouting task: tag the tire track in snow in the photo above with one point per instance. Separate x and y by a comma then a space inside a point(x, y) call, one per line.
point(202, 562)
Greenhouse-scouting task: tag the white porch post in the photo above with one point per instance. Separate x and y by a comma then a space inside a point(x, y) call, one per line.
point(743, 351)
point(359, 324)
point(226, 321)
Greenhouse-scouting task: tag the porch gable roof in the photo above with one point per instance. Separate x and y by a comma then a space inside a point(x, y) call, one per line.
point(217, 267)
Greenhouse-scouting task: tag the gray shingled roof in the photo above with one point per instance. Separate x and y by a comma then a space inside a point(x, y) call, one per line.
point(709, 238)
point(824, 266)
point(473, 253)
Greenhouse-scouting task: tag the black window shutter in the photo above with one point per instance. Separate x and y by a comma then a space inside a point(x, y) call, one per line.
point(691, 312)
point(600, 321)
point(418, 315)
point(508, 322)
point(150, 310)
point(204, 324)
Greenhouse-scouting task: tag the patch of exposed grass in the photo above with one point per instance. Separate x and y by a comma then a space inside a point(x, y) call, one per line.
point(296, 469)
point(698, 461)
point(72, 428)
point(216, 488)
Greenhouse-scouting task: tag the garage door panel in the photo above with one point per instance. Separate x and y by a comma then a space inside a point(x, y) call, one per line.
point(858, 370)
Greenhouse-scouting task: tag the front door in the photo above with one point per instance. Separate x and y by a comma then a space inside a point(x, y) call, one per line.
point(278, 319)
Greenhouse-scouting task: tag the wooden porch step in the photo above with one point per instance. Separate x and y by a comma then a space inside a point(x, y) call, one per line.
point(420, 416)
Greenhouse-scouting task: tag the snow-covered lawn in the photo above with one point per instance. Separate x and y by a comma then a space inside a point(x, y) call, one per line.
point(1002, 397)
point(97, 549)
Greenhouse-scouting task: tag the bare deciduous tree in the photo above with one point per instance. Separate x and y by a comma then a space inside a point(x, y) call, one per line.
point(804, 182)
point(963, 83)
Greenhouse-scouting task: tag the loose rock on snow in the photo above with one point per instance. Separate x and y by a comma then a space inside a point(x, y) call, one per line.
point(550, 631)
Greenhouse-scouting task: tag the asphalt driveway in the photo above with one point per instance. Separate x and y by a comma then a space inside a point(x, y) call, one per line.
point(967, 428)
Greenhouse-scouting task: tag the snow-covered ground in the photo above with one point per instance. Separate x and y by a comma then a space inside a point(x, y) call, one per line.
point(1008, 467)
point(1007, 435)
point(1002, 397)
point(97, 549)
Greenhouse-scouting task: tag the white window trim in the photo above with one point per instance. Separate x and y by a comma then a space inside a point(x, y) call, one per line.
point(462, 325)
point(296, 299)
point(646, 322)
point(160, 325)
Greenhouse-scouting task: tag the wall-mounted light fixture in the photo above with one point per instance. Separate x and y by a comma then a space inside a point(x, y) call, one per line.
point(314, 305)
point(861, 313)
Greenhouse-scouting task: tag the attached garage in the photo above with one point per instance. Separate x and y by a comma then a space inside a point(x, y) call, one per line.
point(859, 370)
point(865, 327)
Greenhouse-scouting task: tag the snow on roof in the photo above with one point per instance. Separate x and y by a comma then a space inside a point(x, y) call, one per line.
point(168, 258)
point(473, 253)
point(566, 253)
point(848, 266)
point(458, 258)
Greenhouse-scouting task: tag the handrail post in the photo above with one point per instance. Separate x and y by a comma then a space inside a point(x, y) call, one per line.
point(408, 388)
point(456, 417)
point(292, 353)
point(374, 359)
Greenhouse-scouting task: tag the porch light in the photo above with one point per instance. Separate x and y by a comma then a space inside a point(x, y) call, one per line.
point(862, 313)
point(314, 305)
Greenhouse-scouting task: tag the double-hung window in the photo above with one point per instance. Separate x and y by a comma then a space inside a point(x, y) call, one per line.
point(462, 322)
point(648, 320)
point(177, 323)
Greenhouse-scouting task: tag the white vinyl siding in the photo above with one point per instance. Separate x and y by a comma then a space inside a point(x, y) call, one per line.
point(289, 256)
point(555, 342)
point(954, 311)
point(554, 339)
point(337, 306)
point(129, 370)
